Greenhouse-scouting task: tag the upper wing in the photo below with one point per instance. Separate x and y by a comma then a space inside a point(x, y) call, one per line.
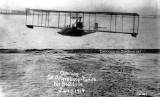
point(111, 22)
point(42, 18)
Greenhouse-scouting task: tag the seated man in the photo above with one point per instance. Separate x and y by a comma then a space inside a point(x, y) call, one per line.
point(80, 25)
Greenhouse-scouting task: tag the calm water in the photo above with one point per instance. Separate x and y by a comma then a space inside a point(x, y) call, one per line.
point(26, 74)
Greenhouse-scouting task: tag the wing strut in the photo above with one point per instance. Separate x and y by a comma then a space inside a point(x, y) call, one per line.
point(95, 19)
point(138, 25)
point(58, 19)
point(38, 18)
point(65, 20)
point(42, 19)
point(33, 19)
point(122, 23)
point(83, 17)
point(89, 21)
point(26, 18)
point(111, 23)
point(48, 18)
point(70, 18)
point(115, 22)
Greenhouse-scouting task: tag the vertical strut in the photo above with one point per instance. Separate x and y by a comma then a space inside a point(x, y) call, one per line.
point(42, 19)
point(95, 18)
point(138, 25)
point(58, 19)
point(83, 17)
point(111, 23)
point(115, 22)
point(133, 23)
point(38, 18)
point(33, 18)
point(26, 17)
point(48, 18)
point(89, 21)
point(70, 19)
point(122, 23)
point(76, 19)
point(95, 23)
point(65, 19)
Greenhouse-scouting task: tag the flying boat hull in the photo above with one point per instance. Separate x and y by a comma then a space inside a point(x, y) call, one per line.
point(71, 31)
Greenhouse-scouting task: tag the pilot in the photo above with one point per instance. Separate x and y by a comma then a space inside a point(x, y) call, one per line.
point(80, 25)
point(74, 27)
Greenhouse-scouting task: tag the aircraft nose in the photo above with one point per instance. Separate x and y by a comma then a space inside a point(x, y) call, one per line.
point(59, 32)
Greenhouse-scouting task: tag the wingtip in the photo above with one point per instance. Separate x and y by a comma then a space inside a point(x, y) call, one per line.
point(134, 35)
point(30, 26)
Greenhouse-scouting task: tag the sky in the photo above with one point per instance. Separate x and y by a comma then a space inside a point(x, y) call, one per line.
point(107, 5)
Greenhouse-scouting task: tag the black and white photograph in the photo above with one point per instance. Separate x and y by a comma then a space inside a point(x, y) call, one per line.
point(79, 48)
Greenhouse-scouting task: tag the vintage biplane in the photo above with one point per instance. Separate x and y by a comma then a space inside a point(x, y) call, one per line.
point(79, 23)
